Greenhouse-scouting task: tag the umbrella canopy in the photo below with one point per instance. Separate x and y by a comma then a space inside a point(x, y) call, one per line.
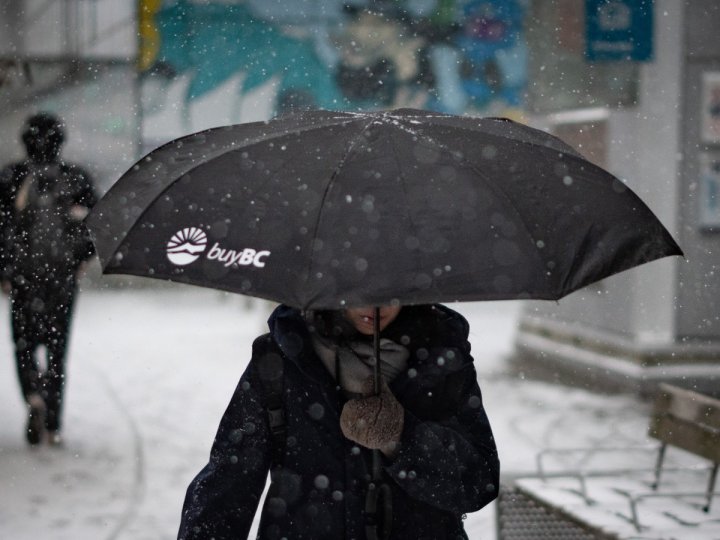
point(326, 209)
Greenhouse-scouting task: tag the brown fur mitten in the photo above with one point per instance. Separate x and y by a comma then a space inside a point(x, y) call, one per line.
point(374, 422)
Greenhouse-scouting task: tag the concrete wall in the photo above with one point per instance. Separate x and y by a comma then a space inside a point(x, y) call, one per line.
point(659, 321)
point(642, 147)
point(97, 29)
point(699, 279)
point(75, 59)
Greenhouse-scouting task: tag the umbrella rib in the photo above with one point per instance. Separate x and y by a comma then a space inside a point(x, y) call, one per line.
point(572, 155)
point(511, 204)
point(121, 238)
point(569, 153)
point(569, 150)
point(404, 187)
point(162, 148)
point(344, 157)
point(495, 189)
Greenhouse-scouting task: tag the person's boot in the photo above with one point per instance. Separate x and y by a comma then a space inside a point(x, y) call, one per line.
point(54, 438)
point(36, 419)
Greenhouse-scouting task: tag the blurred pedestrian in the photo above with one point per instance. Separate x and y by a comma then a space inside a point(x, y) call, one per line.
point(305, 410)
point(43, 201)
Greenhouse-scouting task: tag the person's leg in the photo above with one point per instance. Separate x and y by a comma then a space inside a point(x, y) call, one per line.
point(53, 380)
point(59, 316)
point(25, 336)
point(27, 367)
point(25, 340)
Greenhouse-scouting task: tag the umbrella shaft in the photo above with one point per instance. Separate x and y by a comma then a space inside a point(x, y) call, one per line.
point(376, 458)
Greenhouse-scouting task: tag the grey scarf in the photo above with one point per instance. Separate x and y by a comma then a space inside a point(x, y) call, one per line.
point(353, 363)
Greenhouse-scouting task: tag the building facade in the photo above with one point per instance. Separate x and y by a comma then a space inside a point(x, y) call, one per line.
point(659, 322)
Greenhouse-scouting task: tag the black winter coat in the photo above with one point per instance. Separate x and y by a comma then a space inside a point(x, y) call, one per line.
point(447, 464)
point(73, 186)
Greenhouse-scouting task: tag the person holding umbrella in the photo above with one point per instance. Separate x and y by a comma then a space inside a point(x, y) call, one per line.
point(439, 458)
point(326, 212)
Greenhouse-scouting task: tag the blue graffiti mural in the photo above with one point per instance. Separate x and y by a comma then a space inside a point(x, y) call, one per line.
point(495, 53)
point(216, 41)
point(446, 55)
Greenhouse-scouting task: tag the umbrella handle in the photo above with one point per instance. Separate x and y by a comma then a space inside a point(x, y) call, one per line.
point(378, 511)
point(377, 384)
point(378, 501)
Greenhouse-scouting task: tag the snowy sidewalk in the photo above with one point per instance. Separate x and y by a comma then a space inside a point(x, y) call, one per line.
point(150, 375)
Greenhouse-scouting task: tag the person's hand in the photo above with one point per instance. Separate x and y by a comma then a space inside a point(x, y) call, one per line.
point(78, 212)
point(6, 286)
point(81, 269)
point(374, 422)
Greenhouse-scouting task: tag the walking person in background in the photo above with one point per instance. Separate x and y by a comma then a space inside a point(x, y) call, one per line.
point(305, 410)
point(43, 201)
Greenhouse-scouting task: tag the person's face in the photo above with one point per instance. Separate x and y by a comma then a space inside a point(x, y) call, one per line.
point(363, 318)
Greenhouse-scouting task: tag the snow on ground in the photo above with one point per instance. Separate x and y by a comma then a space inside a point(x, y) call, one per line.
point(149, 376)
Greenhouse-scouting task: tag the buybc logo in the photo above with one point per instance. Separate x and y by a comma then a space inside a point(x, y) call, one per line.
point(188, 245)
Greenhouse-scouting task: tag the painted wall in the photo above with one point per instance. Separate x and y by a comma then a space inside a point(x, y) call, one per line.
point(218, 61)
point(203, 63)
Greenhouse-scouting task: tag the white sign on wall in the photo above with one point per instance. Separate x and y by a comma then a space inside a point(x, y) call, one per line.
point(709, 196)
point(710, 111)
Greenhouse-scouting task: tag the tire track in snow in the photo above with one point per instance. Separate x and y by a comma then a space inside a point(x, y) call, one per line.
point(137, 492)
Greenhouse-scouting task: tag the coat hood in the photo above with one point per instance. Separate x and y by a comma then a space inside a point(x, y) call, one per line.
point(435, 335)
point(416, 327)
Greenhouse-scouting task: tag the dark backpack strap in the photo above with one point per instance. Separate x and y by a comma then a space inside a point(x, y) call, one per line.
point(269, 367)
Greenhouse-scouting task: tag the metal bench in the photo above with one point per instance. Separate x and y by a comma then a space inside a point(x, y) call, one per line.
point(583, 501)
point(690, 421)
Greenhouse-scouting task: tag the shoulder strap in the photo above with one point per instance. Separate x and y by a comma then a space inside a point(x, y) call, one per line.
point(269, 366)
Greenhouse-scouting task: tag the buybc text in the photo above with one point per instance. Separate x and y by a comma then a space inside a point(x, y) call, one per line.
point(189, 244)
point(230, 257)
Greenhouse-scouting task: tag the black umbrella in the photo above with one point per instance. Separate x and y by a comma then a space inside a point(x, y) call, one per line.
point(329, 210)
